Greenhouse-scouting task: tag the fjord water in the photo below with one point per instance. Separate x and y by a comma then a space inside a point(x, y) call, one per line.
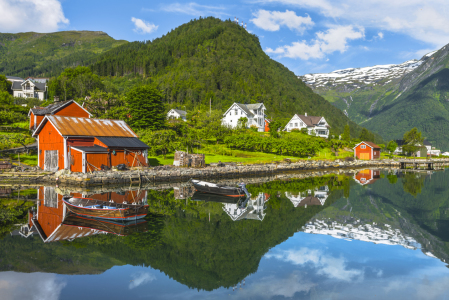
point(376, 234)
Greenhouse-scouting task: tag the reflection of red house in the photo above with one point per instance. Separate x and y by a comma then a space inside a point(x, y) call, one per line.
point(50, 212)
point(367, 176)
point(84, 144)
point(62, 108)
point(367, 150)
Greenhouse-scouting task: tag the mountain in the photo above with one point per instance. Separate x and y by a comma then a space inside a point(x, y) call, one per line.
point(392, 99)
point(210, 59)
point(47, 54)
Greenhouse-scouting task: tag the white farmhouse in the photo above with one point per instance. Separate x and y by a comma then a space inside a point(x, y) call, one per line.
point(255, 113)
point(315, 124)
point(177, 114)
point(306, 198)
point(29, 89)
point(250, 209)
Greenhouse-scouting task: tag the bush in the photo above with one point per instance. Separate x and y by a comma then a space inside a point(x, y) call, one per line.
point(9, 117)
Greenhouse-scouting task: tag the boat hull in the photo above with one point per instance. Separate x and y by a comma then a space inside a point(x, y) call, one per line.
point(217, 190)
point(127, 212)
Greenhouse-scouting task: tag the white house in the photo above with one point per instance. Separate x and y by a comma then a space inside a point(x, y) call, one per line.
point(252, 209)
point(255, 113)
point(430, 150)
point(315, 124)
point(29, 89)
point(177, 114)
point(305, 198)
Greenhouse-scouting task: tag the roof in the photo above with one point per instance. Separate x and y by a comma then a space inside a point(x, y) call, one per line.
point(39, 85)
point(16, 85)
point(96, 149)
point(246, 108)
point(52, 108)
point(427, 143)
point(14, 78)
point(401, 143)
point(74, 126)
point(180, 112)
point(370, 144)
point(127, 142)
point(310, 121)
point(254, 106)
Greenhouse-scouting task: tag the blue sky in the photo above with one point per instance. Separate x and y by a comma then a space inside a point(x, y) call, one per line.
point(307, 36)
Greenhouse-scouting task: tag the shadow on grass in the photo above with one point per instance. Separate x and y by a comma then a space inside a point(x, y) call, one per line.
point(154, 162)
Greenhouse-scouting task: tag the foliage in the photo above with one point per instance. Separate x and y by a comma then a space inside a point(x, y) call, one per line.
point(412, 141)
point(346, 134)
point(107, 105)
point(291, 144)
point(146, 109)
point(47, 54)
point(5, 85)
point(412, 183)
point(8, 117)
point(74, 83)
point(160, 141)
point(242, 122)
point(274, 126)
point(392, 178)
point(392, 146)
point(366, 136)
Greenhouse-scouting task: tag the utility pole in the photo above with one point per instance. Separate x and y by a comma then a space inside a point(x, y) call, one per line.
point(210, 106)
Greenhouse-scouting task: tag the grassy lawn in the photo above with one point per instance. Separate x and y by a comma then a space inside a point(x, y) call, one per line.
point(25, 159)
point(223, 154)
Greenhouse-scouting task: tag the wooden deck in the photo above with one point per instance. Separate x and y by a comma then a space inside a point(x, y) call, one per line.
point(417, 164)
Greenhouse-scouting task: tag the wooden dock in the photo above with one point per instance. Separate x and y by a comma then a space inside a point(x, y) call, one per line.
point(428, 164)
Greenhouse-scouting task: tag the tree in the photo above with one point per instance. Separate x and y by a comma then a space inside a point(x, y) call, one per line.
point(273, 128)
point(107, 105)
point(5, 85)
point(366, 136)
point(412, 141)
point(146, 109)
point(391, 146)
point(242, 122)
point(346, 136)
point(392, 179)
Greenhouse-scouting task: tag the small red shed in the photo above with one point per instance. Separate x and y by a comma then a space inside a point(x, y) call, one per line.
point(60, 108)
point(84, 144)
point(367, 176)
point(267, 125)
point(367, 150)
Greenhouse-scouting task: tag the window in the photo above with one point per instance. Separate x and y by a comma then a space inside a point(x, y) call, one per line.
point(302, 124)
point(375, 152)
point(296, 124)
point(291, 124)
point(363, 147)
point(236, 112)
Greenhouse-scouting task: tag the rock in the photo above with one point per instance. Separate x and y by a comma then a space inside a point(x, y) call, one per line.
point(62, 172)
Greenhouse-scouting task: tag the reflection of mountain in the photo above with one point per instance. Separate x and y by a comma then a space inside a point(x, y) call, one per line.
point(305, 198)
point(389, 213)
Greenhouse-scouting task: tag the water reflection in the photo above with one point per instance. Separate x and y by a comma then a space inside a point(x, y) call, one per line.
point(334, 236)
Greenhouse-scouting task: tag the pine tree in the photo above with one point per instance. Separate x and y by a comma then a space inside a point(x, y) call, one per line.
point(146, 110)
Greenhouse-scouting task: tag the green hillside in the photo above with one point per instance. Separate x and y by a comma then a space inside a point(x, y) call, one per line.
point(218, 60)
point(47, 54)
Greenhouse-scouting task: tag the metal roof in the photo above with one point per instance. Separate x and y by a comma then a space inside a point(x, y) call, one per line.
point(95, 148)
point(42, 111)
point(14, 78)
point(122, 142)
point(310, 121)
point(180, 112)
point(73, 126)
point(16, 85)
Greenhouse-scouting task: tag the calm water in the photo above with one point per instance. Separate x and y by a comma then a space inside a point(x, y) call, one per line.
point(375, 235)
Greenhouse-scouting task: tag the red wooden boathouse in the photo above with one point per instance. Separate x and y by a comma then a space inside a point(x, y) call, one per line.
point(84, 144)
point(59, 108)
point(367, 150)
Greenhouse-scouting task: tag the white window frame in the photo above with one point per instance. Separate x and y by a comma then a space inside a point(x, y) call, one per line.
point(362, 146)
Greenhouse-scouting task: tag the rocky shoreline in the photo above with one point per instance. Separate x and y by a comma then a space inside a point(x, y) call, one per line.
point(140, 176)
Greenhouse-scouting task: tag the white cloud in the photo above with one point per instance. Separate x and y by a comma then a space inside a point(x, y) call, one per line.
point(142, 26)
point(334, 39)
point(426, 21)
point(328, 266)
point(31, 15)
point(272, 20)
point(141, 278)
point(380, 35)
point(39, 286)
point(195, 9)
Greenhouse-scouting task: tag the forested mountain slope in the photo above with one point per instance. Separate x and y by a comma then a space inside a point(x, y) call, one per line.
point(218, 60)
point(392, 99)
point(47, 54)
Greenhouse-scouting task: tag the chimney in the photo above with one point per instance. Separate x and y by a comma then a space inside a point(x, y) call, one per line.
point(56, 99)
point(305, 114)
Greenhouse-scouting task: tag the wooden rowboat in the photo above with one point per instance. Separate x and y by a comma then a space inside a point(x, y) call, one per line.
point(105, 210)
point(212, 188)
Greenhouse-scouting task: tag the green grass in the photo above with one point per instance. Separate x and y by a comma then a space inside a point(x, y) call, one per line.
point(25, 159)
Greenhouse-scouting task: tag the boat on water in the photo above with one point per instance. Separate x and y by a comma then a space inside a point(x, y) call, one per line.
point(207, 197)
point(105, 210)
point(213, 188)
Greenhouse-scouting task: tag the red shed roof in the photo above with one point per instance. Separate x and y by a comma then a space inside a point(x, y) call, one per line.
point(370, 144)
point(74, 126)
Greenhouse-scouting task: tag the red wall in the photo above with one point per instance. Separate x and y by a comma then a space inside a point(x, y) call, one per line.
point(96, 159)
point(82, 142)
point(77, 157)
point(267, 126)
point(49, 218)
point(358, 150)
point(31, 120)
point(49, 139)
point(72, 110)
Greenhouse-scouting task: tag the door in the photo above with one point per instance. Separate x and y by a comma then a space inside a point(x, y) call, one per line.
point(51, 160)
point(50, 197)
point(364, 155)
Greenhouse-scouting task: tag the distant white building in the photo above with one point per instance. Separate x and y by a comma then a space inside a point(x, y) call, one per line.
point(255, 113)
point(29, 89)
point(313, 124)
point(430, 150)
point(177, 114)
